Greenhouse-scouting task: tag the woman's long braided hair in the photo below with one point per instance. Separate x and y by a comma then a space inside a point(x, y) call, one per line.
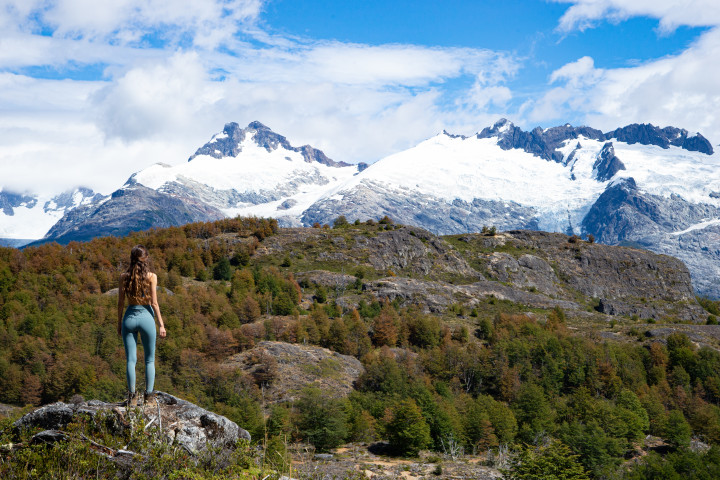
point(136, 282)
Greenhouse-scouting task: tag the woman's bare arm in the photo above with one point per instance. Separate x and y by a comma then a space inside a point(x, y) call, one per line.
point(155, 305)
point(121, 304)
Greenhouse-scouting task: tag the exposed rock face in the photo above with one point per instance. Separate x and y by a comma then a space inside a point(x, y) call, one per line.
point(289, 367)
point(624, 215)
point(130, 209)
point(374, 200)
point(436, 297)
point(607, 164)
point(626, 281)
point(229, 144)
point(542, 143)
point(183, 422)
point(325, 278)
point(647, 134)
point(404, 250)
point(538, 269)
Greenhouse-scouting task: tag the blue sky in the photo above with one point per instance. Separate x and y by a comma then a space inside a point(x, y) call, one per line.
point(92, 91)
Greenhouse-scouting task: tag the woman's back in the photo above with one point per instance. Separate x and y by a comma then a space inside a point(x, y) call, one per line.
point(145, 297)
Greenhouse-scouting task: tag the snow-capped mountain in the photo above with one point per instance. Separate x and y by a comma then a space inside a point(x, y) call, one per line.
point(638, 185)
point(240, 171)
point(26, 217)
point(251, 171)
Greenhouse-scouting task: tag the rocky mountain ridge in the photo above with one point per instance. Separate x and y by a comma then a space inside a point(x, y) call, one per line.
point(641, 185)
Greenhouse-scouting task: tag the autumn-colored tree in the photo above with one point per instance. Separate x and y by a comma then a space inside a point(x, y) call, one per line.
point(385, 327)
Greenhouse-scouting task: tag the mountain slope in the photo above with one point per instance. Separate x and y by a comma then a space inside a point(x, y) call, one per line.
point(25, 217)
point(657, 188)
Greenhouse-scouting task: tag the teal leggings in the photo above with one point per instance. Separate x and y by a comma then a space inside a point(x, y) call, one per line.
point(139, 318)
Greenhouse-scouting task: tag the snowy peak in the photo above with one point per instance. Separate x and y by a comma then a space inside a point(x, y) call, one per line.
point(72, 199)
point(230, 143)
point(9, 201)
point(28, 216)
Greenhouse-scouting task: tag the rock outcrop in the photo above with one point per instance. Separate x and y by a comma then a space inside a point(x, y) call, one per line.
point(285, 369)
point(180, 421)
point(532, 268)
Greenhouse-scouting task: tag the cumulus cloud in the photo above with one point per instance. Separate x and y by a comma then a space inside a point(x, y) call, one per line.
point(155, 99)
point(677, 90)
point(671, 13)
point(160, 102)
point(359, 112)
point(207, 22)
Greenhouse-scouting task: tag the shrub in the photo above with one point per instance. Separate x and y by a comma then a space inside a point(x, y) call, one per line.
point(340, 222)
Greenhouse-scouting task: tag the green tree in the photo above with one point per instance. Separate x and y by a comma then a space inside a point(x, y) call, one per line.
point(551, 462)
point(340, 222)
point(321, 419)
point(407, 431)
point(677, 429)
point(222, 270)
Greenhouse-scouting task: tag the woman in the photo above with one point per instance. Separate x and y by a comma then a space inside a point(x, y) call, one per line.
point(139, 285)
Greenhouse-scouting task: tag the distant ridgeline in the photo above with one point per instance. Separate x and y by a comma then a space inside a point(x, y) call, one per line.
point(487, 339)
point(639, 185)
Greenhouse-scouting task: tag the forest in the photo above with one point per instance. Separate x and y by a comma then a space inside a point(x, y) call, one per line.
point(493, 377)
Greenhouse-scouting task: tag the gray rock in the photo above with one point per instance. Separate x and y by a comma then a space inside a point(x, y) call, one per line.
point(187, 424)
point(647, 134)
point(48, 436)
point(129, 209)
point(539, 142)
point(607, 164)
point(372, 200)
point(624, 215)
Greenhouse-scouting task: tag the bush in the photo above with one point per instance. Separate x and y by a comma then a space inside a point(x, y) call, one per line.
point(340, 222)
point(320, 294)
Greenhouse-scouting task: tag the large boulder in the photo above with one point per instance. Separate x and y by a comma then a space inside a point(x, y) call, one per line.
point(190, 426)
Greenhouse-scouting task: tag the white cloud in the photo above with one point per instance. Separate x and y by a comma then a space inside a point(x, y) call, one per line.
point(577, 73)
point(208, 22)
point(156, 99)
point(671, 13)
point(679, 90)
point(357, 102)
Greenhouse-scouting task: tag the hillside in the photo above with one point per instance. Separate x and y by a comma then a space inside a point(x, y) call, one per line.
point(322, 336)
